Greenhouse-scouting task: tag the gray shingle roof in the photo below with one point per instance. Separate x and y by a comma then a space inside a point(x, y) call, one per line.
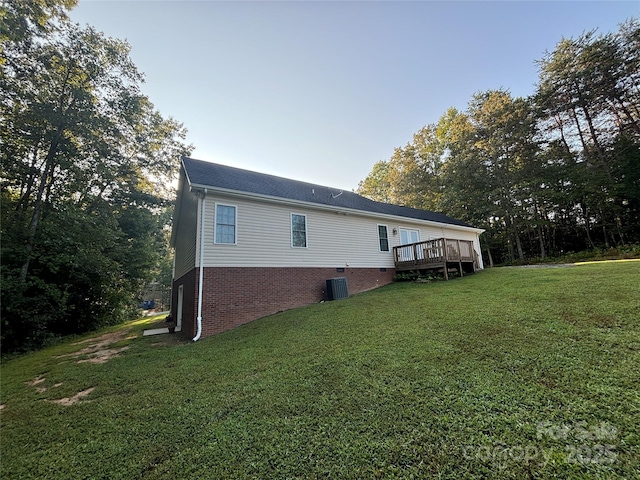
point(207, 174)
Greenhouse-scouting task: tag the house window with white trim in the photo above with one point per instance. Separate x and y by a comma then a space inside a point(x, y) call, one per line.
point(298, 230)
point(225, 224)
point(383, 238)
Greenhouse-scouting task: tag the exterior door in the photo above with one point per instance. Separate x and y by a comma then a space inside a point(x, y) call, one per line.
point(408, 236)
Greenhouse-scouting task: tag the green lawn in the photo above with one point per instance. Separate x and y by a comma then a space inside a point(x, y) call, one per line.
point(510, 373)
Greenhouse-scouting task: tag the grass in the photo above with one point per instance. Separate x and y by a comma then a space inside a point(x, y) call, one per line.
point(510, 373)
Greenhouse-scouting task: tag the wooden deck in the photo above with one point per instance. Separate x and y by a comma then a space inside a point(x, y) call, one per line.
point(438, 254)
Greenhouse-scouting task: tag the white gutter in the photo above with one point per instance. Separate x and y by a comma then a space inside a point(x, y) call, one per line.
point(199, 319)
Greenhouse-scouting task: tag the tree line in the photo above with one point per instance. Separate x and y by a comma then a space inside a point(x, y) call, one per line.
point(87, 169)
point(545, 175)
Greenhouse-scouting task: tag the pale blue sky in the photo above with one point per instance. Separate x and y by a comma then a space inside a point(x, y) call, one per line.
point(320, 91)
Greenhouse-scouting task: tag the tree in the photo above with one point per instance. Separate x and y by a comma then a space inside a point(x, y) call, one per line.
point(376, 186)
point(22, 20)
point(411, 176)
point(85, 163)
point(415, 170)
point(556, 172)
point(587, 100)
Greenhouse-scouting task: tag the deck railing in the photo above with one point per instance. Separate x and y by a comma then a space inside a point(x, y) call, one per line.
point(433, 253)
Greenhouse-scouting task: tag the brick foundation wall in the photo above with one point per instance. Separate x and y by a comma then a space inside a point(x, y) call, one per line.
point(233, 296)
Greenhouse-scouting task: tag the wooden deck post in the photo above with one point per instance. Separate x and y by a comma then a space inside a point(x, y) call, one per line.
point(445, 257)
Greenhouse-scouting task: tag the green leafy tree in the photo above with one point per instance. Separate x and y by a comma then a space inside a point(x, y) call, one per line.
point(556, 172)
point(507, 129)
point(588, 100)
point(376, 186)
point(86, 161)
point(22, 20)
point(415, 170)
point(411, 176)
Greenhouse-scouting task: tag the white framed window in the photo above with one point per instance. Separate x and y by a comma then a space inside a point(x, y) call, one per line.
point(225, 224)
point(383, 238)
point(298, 230)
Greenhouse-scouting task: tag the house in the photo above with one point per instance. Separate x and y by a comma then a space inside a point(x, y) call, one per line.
point(248, 245)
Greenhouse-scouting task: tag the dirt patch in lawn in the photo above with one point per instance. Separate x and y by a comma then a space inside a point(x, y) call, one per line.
point(102, 356)
point(36, 383)
point(76, 398)
point(98, 350)
point(106, 339)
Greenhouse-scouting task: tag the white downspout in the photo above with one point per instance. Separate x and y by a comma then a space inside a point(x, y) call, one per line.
point(199, 319)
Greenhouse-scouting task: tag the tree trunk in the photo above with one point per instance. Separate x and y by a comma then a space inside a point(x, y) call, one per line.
point(606, 239)
point(516, 236)
point(585, 147)
point(563, 139)
point(27, 183)
point(490, 257)
point(543, 252)
point(510, 250)
point(592, 130)
point(32, 229)
point(507, 224)
point(519, 246)
point(542, 215)
point(619, 227)
point(586, 226)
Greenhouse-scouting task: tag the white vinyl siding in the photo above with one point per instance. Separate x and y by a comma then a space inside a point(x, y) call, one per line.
point(335, 240)
point(186, 235)
point(225, 224)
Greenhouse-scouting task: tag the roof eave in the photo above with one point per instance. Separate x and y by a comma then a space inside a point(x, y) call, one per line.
point(319, 206)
